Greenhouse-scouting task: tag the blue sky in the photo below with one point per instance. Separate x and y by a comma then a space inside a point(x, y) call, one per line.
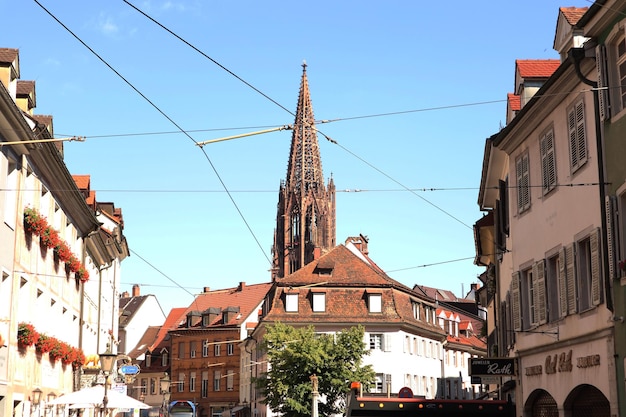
point(434, 75)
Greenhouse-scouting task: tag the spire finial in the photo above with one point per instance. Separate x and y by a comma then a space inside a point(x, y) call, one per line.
point(304, 65)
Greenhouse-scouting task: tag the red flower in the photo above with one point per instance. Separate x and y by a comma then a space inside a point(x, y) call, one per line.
point(45, 343)
point(26, 334)
point(50, 237)
point(34, 222)
point(79, 358)
point(82, 274)
point(73, 263)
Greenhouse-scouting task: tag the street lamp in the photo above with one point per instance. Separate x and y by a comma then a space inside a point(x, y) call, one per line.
point(165, 390)
point(107, 360)
point(36, 398)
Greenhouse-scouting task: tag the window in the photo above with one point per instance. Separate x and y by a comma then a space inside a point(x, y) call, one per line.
point(181, 382)
point(181, 350)
point(204, 385)
point(230, 349)
point(375, 303)
point(416, 310)
point(205, 348)
point(144, 386)
point(148, 360)
point(553, 266)
point(588, 272)
point(230, 380)
point(192, 382)
point(165, 357)
point(217, 377)
point(217, 349)
point(527, 298)
point(376, 341)
point(192, 349)
point(577, 140)
point(379, 384)
point(153, 386)
point(319, 302)
point(522, 172)
point(548, 161)
point(291, 303)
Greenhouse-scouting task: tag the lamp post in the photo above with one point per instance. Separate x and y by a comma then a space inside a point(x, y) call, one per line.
point(51, 397)
point(165, 390)
point(107, 360)
point(36, 399)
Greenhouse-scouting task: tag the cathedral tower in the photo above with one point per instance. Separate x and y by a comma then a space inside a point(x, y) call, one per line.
point(305, 220)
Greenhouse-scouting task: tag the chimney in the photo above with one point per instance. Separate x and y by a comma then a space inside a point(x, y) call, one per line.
point(360, 243)
point(206, 289)
point(475, 286)
point(242, 286)
point(125, 294)
point(136, 290)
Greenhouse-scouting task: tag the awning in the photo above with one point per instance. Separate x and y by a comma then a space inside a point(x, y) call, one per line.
point(231, 411)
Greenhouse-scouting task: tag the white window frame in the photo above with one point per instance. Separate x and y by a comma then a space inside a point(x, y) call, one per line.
point(291, 303)
point(375, 303)
point(319, 302)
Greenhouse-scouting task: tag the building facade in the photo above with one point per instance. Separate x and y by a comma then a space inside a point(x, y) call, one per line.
point(59, 258)
point(543, 239)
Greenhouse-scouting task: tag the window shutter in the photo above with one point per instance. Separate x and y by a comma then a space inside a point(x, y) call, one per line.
point(570, 274)
point(386, 342)
point(515, 302)
point(612, 234)
point(594, 243)
point(581, 141)
point(603, 78)
point(562, 280)
point(540, 291)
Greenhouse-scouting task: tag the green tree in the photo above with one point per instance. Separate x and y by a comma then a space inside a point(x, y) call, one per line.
point(295, 354)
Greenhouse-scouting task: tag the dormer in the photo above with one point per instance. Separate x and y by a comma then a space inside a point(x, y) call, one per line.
point(230, 313)
point(25, 96)
point(531, 75)
point(210, 315)
point(567, 35)
point(193, 317)
point(10, 69)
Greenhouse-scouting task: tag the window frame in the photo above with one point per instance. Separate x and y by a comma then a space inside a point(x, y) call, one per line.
point(291, 302)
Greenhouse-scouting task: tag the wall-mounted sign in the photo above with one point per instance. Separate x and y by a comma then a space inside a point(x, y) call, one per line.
point(492, 367)
point(129, 369)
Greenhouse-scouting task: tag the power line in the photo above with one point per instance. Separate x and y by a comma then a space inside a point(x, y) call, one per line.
point(171, 121)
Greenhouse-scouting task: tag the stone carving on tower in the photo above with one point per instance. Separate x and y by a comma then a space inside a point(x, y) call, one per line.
point(305, 220)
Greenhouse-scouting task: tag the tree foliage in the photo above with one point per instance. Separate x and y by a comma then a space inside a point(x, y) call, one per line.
point(295, 354)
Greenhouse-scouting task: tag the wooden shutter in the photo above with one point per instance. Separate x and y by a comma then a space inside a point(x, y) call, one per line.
point(540, 291)
point(612, 235)
point(603, 83)
point(570, 273)
point(386, 342)
point(594, 243)
point(562, 279)
point(516, 310)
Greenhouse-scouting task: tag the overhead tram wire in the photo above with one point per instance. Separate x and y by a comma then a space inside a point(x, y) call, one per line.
point(170, 120)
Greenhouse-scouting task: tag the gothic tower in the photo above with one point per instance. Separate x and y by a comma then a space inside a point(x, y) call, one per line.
point(305, 220)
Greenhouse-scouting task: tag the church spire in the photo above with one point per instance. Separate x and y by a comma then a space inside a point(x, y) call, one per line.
point(305, 222)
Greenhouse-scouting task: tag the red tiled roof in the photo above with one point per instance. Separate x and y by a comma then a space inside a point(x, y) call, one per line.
point(24, 88)
point(246, 297)
point(573, 14)
point(172, 321)
point(536, 68)
point(515, 102)
point(82, 181)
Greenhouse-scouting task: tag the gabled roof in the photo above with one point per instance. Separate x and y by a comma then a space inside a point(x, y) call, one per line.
point(536, 68)
point(573, 14)
point(514, 102)
point(128, 308)
point(148, 339)
point(436, 293)
point(244, 297)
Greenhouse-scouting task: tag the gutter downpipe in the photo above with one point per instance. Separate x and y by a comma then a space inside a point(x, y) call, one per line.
point(577, 55)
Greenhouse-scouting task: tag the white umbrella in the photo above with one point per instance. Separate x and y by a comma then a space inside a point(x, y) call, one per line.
point(92, 397)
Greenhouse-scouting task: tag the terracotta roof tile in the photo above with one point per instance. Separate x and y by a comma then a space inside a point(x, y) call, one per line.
point(24, 88)
point(82, 181)
point(536, 68)
point(573, 14)
point(246, 297)
point(515, 102)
